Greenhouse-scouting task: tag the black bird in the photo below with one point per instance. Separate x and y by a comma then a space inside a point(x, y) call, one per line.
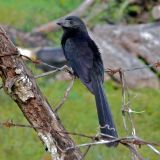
point(85, 59)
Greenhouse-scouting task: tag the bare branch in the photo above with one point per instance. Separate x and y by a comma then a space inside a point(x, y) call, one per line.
point(114, 71)
point(126, 109)
point(9, 123)
point(154, 149)
point(45, 74)
point(52, 26)
point(66, 94)
point(63, 68)
point(85, 153)
point(135, 154)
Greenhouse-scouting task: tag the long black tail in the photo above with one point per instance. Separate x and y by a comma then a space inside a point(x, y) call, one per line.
point(104, 115)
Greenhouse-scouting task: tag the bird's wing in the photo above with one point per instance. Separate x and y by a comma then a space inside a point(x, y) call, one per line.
point(80, 57)
point(84, 58)
point(81, 60)
point(97, 60)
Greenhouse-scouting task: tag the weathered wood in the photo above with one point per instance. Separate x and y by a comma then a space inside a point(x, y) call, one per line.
point(19, 84)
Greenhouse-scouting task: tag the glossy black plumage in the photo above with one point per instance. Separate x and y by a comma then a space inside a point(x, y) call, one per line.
point(85, 59)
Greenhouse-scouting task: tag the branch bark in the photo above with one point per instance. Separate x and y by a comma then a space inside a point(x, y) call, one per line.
point(20, 85)
point(52, 26)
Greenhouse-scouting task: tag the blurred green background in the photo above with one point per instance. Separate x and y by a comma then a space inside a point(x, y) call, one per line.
point(79, 112)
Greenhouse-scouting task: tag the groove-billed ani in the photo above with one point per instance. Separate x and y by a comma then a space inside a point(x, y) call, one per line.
point(85, 59)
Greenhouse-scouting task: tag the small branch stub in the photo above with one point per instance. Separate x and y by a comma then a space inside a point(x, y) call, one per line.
point(23, 85)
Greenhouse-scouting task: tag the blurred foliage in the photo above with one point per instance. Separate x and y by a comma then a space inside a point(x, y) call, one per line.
point(79, 112)
point(27, 14)
point(127, 11)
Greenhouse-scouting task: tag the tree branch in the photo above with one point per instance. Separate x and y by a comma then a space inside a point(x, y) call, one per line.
point(20, 85)
point(52, 26)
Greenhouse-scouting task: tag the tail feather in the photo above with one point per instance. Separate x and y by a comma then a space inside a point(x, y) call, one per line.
point(106, 123)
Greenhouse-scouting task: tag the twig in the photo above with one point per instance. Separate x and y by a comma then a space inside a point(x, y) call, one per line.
point(94, 143)
point(126, 141)
point(126, 102)
point(66, 94)
point(134, 151)
point(45, 74)
point(85, 153)
point(8, 55)
point(63, 68)
point(154, 149)
point(114, 71)
point(66, 68)
point(55, 69)
point(143, 67)
point(126, 109)
point(9, 124)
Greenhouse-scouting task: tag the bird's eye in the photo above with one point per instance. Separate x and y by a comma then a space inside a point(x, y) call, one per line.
point(71, 22)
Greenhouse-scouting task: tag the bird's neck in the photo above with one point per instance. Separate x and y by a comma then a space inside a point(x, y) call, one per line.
point(73, 34)
point(76, 33)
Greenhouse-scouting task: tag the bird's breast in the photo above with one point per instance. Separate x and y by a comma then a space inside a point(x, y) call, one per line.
point(75, 47)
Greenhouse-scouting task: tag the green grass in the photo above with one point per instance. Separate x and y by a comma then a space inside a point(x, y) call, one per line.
point(79, 115)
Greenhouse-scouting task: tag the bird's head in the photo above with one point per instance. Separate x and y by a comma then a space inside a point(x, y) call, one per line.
point(72, 23)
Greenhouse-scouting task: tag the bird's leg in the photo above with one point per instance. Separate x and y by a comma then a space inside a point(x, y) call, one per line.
point(69, 70)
